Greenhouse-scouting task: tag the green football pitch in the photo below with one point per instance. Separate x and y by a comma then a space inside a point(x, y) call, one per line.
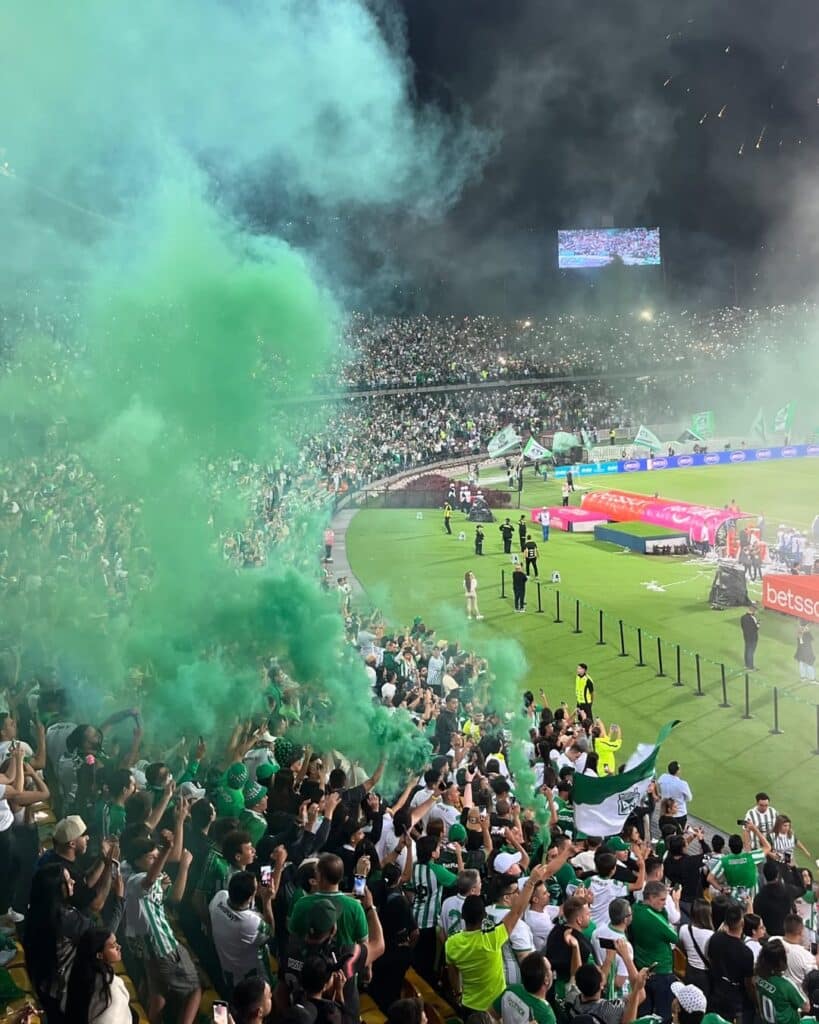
point(409, 566)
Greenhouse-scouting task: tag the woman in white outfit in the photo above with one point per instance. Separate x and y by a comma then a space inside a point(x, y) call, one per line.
point(471, 594)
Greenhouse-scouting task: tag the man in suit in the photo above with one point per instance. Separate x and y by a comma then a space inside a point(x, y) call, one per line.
point(750, 634)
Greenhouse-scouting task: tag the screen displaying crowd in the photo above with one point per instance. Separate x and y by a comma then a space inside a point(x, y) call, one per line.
point(598, 247)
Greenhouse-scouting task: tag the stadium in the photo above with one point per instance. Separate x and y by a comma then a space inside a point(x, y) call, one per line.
point(409, 516)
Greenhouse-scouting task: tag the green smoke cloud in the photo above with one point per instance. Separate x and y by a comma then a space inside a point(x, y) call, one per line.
point(128, 134)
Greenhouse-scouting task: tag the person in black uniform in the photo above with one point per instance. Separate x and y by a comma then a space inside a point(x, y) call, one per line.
point(750, 634)
point(507, 531)
point(531, 555)
point(479, 539)
point(522, 532)
point(519, 581)
point(570, 480)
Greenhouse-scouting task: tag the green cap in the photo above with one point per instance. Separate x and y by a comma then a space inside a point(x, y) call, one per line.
point(321, 916)
point(457, 833)
point(229, 802)
point(617, 843)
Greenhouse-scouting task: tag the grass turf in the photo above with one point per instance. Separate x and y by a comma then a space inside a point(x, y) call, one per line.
point(410, 566)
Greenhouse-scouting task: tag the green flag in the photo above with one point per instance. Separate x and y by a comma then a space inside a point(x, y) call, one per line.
point(601, 805)
point(702, 423)
point(505, 440)
point(533, 450)
point(783, 418)
point(645, 439)
point(758, 427)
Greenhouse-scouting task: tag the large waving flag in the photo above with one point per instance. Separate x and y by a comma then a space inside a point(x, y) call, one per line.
point(783, 418)
point(601, 805)
point(505, 440)
point(758, 427)
point(702, 423)
point(533, 450)
point(646, 439)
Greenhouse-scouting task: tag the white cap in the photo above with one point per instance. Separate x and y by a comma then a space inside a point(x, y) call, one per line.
point(690, 998)
point(504, 861)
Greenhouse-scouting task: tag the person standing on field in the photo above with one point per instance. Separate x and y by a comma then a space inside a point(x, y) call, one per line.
point(545, 522)
point(447, 517)
point(471, 595)
point(507, 532)
point(522, 532)
point(519, 581)
point(531, 554)
point(584, 689)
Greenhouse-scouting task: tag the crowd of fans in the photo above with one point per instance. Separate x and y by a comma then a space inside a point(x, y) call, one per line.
point(287, 881)
point(395, 352)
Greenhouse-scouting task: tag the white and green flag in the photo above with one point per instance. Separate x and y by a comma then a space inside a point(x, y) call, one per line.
point(758, 427)
point(645, 439)
point(505, 440)
point(783, 418)
point(533, 450)
point(601, 805)
point(702, 423)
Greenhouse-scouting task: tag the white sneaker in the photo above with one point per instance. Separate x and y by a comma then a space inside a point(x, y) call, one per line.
point(478, 617)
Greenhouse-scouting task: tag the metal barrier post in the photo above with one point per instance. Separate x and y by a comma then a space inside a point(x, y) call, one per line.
point(640, 661)
point(747, 696)
point(660, 671)
point(679, 681)
point(699, 692)
point(577, 628)
point(600, 641)
point(622, 653)
point(503, 583)
point(725, 701)
point(557, 607)
point(776, 731)
point(539, 605)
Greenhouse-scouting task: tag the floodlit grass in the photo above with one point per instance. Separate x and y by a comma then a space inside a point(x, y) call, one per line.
point(410, 566)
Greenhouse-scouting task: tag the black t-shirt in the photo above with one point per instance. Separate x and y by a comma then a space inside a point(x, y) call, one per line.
point(732, 962)
point(686, 871)
point(560, 955)
point(531, 549)
point(773, 903)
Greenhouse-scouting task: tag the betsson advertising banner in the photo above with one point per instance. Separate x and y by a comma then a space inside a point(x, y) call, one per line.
point(792, 595)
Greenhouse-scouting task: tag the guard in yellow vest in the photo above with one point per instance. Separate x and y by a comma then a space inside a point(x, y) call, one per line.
point(584, 689)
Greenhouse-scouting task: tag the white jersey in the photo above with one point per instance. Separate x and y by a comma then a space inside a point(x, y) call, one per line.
point(238, 936)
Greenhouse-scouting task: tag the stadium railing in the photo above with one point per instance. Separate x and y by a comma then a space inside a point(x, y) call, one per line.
point(749, 694)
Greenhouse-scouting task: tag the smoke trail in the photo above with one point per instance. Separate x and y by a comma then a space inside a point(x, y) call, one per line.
point(130, 136)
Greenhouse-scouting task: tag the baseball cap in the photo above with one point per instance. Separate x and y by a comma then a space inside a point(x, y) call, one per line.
point(191, 790)
point(617, 843)
point(690, 998)
point(69, 829)
point(457, 833)
point(321, 916)
point(505, 861)
point(266, 771)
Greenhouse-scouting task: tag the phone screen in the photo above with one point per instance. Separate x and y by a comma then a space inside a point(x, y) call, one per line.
point(220, 1013)
point(266, 873)
point(359, 885)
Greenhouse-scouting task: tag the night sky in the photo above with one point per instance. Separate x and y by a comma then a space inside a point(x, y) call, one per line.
point(696, 116)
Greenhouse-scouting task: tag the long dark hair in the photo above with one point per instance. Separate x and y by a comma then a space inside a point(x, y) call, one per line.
point(88, 966)
point(43, 925)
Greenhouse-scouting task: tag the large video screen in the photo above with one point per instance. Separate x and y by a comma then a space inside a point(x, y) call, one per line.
point(598, 247)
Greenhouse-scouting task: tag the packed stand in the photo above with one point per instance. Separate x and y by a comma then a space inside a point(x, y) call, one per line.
point(282, 879)
point(414, 351)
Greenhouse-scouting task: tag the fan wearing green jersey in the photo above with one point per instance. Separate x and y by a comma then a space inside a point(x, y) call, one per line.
point(778, 999)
